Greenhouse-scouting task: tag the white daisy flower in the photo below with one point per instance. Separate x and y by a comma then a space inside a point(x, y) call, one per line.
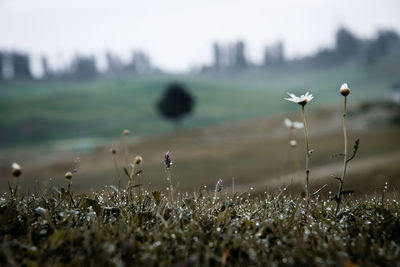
point(301, 100)
point(293, 124)
point(344, 89)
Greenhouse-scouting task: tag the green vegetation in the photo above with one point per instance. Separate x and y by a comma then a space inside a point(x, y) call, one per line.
point(36, 112)
point(113, 227)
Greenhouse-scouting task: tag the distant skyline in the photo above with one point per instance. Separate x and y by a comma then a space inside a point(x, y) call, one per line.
point(178, 34)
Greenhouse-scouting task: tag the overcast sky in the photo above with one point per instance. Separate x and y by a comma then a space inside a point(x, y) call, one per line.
point(178, 33)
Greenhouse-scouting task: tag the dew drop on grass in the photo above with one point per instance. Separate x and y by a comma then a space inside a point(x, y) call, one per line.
point(43, 232)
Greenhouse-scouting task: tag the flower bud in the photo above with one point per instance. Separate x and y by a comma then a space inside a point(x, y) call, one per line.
point(16, 169)
point(293, 143)
point(138, 160)
point(344, 90)
point(68, 175)
point(219, 186)
point(167, 160)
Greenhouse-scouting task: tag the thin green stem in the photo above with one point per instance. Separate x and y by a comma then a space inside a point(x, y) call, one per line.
point(339, 194)
point(307, 150)
point(68, 194)
point(171, 189)
point(132, 176)
point(117, 170)
point(15, 186)
point(126, 149)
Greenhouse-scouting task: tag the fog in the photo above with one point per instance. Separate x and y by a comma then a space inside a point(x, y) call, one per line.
point(178, 34)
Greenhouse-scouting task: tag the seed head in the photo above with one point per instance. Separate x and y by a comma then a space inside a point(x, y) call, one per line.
point(293, 143)
point(16, 169)
point(138, 160)
point(126, 132)
point(68, 175)
point(344, 90)
point(167, 160)
point(113, 151)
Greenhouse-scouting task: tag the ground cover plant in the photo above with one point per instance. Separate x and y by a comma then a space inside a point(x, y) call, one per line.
point(130, 224)
point(116, 227)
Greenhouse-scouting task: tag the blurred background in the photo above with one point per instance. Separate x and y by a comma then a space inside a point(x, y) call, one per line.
point(205, 80)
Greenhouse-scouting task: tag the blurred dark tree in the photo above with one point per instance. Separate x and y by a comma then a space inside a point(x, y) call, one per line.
point(386, 42)
point(240, 57)
point(47, 72)
point(217, 56)
point(114, 63)
point(1, 65)
point(175, 103)
point(140, 63)
point(83, 67)
point(20, 66)
point(347, 45)
point(274, 54)
point(324, 57)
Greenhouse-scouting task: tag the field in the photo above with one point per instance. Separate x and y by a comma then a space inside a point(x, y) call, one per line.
point(84, 114)
point(253, 153)
point(236, 134)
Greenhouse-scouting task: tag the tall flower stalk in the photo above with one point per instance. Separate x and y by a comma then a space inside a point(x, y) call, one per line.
point(126, 133)
point(302, 101)
point(344, 91)
point(16, 172)
point(307, 150)
point(168, 164)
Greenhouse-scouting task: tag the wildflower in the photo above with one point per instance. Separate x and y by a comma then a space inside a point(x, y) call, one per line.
point(16, 169)
point(302, 100)
point(219, 186)
point(68, 175)
point(137, 160)
point(344, 90)
point(293, 124)
point(293, 143)
point(167, 160)
point(126, 132)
